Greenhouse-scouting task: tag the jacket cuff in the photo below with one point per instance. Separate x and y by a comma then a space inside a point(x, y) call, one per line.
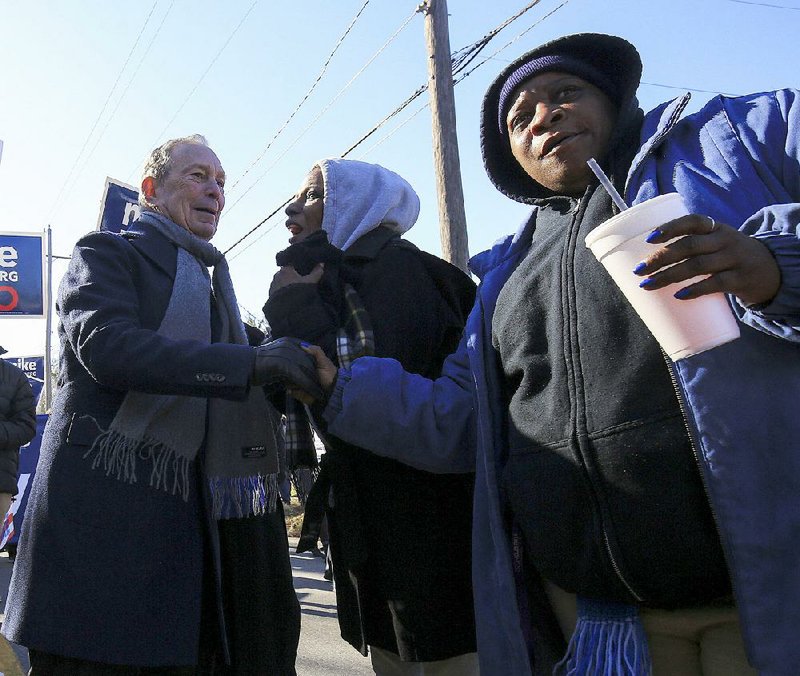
point(336, 400)
point(785, 249)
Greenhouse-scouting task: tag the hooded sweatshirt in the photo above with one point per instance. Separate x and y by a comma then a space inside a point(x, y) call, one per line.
point(599, 475)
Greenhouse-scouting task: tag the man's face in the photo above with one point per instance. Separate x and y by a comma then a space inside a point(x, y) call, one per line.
point(306, 208)
point(192, 193)
point(556, 122)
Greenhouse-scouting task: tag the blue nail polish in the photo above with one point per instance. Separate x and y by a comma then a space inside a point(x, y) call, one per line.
point(305, 344)
point(638, 269)
point(653, 235)
point(681, 293)
point(645, 283)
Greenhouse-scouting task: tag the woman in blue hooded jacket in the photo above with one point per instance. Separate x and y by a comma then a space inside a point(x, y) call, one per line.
point(657, 499)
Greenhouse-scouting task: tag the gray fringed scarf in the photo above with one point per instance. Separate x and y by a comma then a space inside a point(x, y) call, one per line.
point(165, 432)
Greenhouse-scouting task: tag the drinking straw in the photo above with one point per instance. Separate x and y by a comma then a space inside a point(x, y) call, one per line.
point(615, 196)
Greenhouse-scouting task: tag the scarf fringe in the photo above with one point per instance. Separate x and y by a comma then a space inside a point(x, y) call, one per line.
point(118, 456)
point(238, 497)
point(610, 646)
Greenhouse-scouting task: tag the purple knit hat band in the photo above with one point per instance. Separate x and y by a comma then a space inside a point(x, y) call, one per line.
point(547, 63)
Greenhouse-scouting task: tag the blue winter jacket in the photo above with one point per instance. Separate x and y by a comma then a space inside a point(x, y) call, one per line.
point(737, 160)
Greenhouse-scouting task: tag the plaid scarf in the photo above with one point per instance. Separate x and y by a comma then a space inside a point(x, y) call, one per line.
point(163, 434)
point(301, 452)
point(354, 339)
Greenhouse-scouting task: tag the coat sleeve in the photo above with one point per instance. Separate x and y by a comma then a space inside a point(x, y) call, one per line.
point(428, 424)
point(100, 313)
point(17, 428)
point(770, 131)
point(299, 311)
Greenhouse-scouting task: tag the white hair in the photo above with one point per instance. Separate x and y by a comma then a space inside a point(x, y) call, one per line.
point(159, 161)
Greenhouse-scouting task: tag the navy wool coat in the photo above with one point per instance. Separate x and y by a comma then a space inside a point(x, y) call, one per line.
point(106, 570)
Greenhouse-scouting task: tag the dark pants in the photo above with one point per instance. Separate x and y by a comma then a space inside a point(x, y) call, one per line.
point(262, 612)
point(46, 664)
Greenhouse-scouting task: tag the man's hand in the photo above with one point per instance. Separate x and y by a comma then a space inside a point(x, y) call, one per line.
point(283, 362)
point(731, 261)
point(288, 275)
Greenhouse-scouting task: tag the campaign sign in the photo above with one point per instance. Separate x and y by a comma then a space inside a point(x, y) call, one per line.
point(21, 275)
point(33, 367)
point(119, 206)
point(28, 457)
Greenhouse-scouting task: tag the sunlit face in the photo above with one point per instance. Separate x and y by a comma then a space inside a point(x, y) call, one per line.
point(306, 208)
point(556, 122)
point(192, 193)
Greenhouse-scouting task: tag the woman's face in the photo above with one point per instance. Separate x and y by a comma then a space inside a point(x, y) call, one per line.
point(305, 209)
point(556, 122)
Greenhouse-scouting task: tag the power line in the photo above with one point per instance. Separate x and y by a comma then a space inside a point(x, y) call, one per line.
point(510, 42)
point(397, 110)
point(202, 77)
point(344, 154)
point(691, 89)
point(253, 229)
point(764, 4)
point(458, 60)
point(464, 56)
point(307, 94)
point(324, 110)
point(394, 130)
point(127, 87)
point(57, 200)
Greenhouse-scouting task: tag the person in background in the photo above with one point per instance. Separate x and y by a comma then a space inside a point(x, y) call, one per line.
point(17, 426)
point(632, 514)
point(399, 538)
point(154, 542)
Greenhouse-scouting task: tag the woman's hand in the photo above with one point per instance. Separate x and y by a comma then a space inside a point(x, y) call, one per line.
point(288, 275)
point(731, 261)
point(326, 373)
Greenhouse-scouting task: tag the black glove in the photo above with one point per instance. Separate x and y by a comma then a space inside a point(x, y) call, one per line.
point(314, 249)
point(283, 362)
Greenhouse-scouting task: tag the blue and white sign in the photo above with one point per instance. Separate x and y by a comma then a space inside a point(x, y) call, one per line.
point(28, 457)
point(119, 206)
point(21, 275)
point(33, 367)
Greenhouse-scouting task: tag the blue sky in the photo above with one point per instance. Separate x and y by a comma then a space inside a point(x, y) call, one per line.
point(235, 71)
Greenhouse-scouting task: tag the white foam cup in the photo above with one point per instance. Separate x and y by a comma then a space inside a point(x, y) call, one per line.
point(682, 327)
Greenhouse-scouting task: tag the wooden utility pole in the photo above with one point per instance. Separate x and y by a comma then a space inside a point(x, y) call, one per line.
point(452, 220)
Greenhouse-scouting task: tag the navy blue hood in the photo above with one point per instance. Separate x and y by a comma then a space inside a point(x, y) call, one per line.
point(615, 57)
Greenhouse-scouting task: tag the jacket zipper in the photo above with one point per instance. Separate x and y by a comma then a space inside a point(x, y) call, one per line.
point(656, 141)
point(615, 566)
point(681, 403)
point(571, 356)
point(695, 452)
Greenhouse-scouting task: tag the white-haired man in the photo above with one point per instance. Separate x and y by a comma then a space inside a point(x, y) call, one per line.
point(158, 469)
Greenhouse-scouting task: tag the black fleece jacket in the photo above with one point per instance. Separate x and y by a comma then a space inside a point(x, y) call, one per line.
point(17, 422)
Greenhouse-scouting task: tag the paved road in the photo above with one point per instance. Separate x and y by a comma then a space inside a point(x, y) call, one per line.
point(322, 652)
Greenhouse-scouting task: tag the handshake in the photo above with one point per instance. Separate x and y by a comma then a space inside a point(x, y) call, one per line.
point(283, 362)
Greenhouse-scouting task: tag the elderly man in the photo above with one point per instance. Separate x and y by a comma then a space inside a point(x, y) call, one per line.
point(154, 542)
point(656, 502)
point(17, 426)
